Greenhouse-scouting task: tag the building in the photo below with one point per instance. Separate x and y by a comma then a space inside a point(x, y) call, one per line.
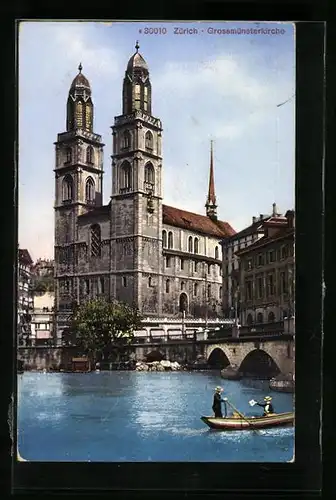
point(135, 249)
point(42, 322)
point(266, 273)
point(25, 297)
point(231, 245)
point(43, 267)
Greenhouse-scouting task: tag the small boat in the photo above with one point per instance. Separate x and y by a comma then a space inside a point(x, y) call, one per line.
point(237, 423)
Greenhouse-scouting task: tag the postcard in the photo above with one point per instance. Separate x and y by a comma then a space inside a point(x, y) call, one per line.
point(156, 275)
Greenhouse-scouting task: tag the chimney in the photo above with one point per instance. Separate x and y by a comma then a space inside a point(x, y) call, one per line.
point(274, 211)
point(254, 220)
point(261, 216)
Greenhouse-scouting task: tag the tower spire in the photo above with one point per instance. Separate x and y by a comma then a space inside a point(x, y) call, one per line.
point(211, 207)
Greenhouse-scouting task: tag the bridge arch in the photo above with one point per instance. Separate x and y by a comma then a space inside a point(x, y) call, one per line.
point(154, 355)
point(218, 357)
point(259, 363)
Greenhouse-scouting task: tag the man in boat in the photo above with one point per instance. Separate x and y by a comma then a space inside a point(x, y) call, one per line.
point(267, 405)
point(217, 403)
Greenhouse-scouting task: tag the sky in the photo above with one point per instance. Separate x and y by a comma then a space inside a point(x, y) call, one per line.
point(218, 86)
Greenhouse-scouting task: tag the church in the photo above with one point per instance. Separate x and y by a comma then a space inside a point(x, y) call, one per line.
point(164, 260)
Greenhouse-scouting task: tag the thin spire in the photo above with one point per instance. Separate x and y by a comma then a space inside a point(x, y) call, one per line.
point(211, 207)
point(137, 46)
point(80, 67)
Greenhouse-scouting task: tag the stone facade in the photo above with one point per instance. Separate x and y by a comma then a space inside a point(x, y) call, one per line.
point(135, 248)
point(282, 352)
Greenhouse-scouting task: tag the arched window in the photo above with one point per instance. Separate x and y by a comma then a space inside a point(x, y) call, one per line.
point(209, 291)
point(126, 143)
point(196, 245)
point(167, 286)
point(182, 286)
point(68, 155)
point(67, 188)
point(271, 317)
point(149, 174)
point(88, 117)
point(220, 292)
point(89, 155)
point(137, 96)
point(209, 268)
point(190, 244)
point(95, 241)
point(183, 302)
point(149, 140)
point(164, 239)
point(79, 114)
point(145, 98)
point(249, 319)
point(170, 239)
point(89, 190)
point(260, 318)
point(216, 253)
point(195, 266)
point(195, 289)
point(149, 281)
point(125, 183)
point(101, 285)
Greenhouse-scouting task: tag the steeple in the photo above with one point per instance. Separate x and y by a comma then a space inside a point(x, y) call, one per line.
point(137, 88)
point(80, 106)
point(211, 207)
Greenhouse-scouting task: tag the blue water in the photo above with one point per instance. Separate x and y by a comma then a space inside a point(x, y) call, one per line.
point(137, 416)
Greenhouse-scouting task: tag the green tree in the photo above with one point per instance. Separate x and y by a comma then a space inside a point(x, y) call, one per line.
point(101, 328)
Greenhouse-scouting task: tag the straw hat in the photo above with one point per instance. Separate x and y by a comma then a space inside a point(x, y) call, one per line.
point(219, 389)
point(268, 398)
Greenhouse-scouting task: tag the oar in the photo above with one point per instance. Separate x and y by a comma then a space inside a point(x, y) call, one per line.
point(241, 415)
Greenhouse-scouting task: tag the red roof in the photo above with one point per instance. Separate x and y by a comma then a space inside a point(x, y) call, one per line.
point(195, 222)
point(24, 256)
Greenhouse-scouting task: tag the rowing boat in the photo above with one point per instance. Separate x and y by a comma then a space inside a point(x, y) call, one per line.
point(248, 423)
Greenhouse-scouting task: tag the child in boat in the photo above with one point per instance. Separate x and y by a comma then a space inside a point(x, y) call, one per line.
point(217, 403)
point(268, 407)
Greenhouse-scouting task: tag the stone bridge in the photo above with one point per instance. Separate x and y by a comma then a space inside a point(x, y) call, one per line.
point(250, 355)
point(279, 351)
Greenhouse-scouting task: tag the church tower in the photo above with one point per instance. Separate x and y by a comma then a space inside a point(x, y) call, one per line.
point(136, 218)
point(78, 184)
point(211, 206)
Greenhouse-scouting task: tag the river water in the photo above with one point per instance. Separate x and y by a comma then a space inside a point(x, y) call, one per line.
point(139, 416)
